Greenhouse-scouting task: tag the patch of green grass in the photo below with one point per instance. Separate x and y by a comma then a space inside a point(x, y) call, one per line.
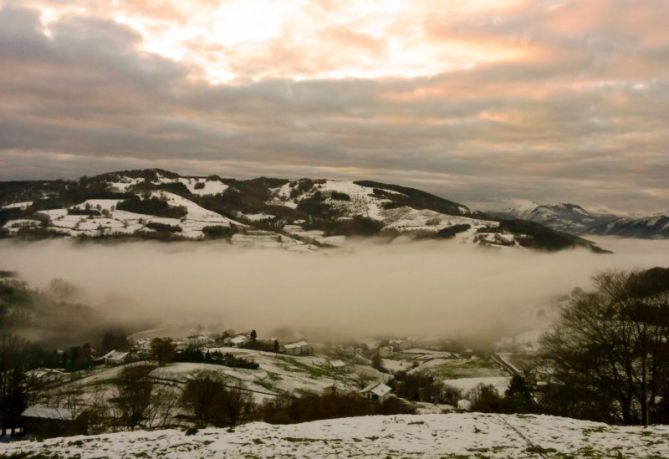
point(291, 364)
point(467, 368)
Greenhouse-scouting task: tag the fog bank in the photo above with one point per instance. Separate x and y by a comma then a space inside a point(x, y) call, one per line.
point(434, 288)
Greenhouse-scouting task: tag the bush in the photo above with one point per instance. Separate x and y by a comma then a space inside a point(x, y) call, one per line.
point(451, 231)
point(219, 232)
point(419, 387)
point(216, 358)
point(163, 350)
point(87, 212)
point(338, 196)
point(163, 227)
point(486, 399)
point(211, 401)
point(152, 206)
point(328, 406)
point(133, 395)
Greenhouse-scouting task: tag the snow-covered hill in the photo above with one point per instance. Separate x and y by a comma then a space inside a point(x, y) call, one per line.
point(430, 436)
point(574, 219)
point(654, 226)
point(299, 214)
point(565, 217)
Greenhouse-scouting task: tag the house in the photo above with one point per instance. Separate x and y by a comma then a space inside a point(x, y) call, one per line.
point(113, 358)
point(337, 364)
point(376, 391)
point(45, 422)
point(142, 346)
point(239, 340)
point(198, 340)
point(298, 348)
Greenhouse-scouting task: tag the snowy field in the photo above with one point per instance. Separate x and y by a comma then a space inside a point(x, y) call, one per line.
point(427, 436)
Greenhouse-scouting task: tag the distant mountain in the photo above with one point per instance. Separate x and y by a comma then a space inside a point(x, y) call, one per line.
point(300, 214)
point(574, 219)
point(566, 217)
point(656, 226)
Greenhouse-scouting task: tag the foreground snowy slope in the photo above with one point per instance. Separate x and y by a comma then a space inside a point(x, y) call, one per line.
point(431, 436)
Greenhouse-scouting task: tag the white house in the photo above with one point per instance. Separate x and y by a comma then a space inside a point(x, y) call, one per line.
point(115, 357)
point(376, 391)
point(239, 340)
point(298, 348)
point(198, 340)
point(337, 364)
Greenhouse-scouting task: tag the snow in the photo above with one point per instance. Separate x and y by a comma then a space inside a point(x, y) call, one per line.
point(101, 204)
point(18, 205)
point(124, 222)
point(428, 436)
point(123, 184)
point(407, 219)
point(210, 186)
point(296, 345)
point(45, 412)
point(13, 226)
point(395, 365)
point(362, 201)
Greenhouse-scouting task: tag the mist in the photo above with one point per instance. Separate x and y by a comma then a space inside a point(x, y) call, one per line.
point(437, 289)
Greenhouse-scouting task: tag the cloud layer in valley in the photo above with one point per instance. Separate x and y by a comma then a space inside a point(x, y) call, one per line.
point(442, 289)
point(535, 99)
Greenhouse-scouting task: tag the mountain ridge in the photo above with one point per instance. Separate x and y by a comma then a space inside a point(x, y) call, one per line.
point(302, 214)
point(575, 219)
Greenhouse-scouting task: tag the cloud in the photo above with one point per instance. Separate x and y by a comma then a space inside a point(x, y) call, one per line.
point(542, 100)
point(440, 289)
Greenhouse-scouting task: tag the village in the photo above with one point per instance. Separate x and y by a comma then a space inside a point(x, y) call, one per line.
point(428, 378)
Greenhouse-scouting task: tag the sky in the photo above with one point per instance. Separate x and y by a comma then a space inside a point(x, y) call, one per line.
point(478, 101)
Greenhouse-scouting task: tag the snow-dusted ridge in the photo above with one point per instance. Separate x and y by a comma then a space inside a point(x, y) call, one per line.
point(301, 214)
point(578, 220)
point(469, 435)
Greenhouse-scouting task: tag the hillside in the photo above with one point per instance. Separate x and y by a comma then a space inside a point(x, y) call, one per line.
point(301, 214)
point(52, 317)
point(656, 226)
point(565, 217)
point(431, 436)
point(577, 220)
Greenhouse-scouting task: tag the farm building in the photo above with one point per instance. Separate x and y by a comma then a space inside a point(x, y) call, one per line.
point(298, 348)
point(239, 340)
point(113, 358)
point(337, 364)
point(45, 422)
point(376, 391)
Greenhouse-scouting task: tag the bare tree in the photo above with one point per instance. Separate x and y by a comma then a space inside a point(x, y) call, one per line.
point(608, 353)
point(164, 350)
point(212, 401)
point(161, 410)
point(133, 390)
